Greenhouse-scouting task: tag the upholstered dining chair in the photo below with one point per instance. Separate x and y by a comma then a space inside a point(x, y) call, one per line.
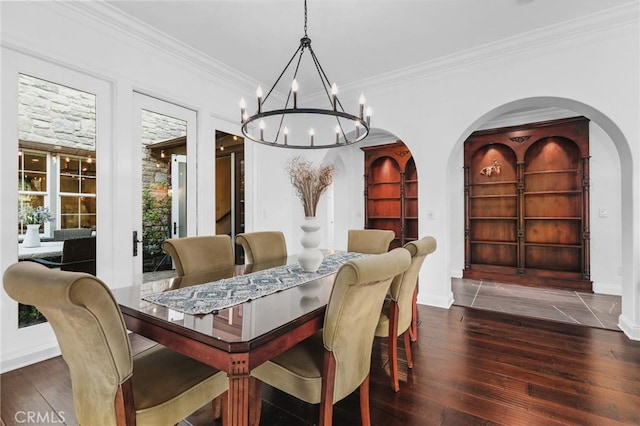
point(263, 246)
point(194, 255)
point(110, 386)
point(372, 241)
point(397, 312)
point(336, 361)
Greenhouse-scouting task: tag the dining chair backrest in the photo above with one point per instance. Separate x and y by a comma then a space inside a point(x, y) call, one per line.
point(352, 314)
point(263, 246)
point(89, 328)
point(194, 255)
point(372, 241)
point(404, 285)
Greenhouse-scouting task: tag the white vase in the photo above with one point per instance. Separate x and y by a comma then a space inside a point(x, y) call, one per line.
point(32, 237)
point(311, 257)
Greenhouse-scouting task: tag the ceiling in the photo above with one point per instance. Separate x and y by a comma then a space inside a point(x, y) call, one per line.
point(353, 39)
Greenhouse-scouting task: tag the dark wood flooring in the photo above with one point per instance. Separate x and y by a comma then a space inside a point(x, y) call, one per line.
point(472, 367)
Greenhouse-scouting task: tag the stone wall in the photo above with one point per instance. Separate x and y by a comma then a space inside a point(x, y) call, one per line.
point(156, 128)
point(55, 114)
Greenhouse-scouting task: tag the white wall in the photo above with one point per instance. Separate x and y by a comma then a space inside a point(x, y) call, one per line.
point(432, 108)
point(593, 74)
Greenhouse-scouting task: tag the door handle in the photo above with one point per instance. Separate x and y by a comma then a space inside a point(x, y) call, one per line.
point(135, 243)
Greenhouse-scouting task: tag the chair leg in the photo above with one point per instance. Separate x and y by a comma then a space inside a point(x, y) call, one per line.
point(328, 382)
point(407, 348)
point(365, 414)
point(413, 328)
point(393, 346)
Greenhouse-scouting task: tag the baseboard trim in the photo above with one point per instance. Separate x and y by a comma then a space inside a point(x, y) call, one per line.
point(438, 302)
point(20, 359)
point(611, 289)
point(632, 331)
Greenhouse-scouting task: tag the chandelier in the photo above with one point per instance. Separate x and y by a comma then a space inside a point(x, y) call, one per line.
point(292, 126)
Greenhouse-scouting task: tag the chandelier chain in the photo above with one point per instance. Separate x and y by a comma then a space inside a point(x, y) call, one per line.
point(305, 18)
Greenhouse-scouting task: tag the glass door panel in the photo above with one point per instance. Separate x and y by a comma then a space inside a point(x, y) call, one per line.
point(56, 169)
point(165, 132)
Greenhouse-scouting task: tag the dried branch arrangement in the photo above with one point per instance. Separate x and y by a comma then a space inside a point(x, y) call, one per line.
point(310, 182)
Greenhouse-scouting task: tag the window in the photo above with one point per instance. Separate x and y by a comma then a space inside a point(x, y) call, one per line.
point(33, 179)
point(77, 192)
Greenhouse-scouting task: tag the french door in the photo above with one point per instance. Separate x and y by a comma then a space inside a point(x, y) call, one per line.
point(165, 180)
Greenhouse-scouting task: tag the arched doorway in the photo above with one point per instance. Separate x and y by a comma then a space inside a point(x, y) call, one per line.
point(613, 160)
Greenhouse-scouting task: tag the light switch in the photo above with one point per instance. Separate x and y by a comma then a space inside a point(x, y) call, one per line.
point(603, 212)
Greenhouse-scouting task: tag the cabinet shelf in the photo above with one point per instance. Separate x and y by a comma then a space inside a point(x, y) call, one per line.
point(502, 182)
point(557, 245)
point(494, 196)
point(564, 192)
point(383, 198)
point(552, 218)
point(383, 217)
point(502, 243)
point(550, 172)
point(493, 218)
point(394, 182)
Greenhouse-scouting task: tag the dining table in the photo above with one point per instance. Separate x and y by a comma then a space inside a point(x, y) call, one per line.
point(237, 338)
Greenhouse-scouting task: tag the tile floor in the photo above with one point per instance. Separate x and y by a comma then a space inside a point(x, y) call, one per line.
point(594, 310)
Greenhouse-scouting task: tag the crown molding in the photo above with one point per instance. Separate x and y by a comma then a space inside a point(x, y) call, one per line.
point(575, 30)
point(115, 20)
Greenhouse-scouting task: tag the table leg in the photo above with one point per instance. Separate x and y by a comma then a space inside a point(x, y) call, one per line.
point(239, 381)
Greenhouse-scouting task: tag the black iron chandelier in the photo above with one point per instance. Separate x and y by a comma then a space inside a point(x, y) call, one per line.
point(291, 126)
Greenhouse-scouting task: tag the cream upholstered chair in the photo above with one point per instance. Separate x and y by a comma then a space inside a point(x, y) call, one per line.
point(397, 313)
point(194, 255)
point(334, 362)
point(110, 387)
point(263, 246)
point(373, 241)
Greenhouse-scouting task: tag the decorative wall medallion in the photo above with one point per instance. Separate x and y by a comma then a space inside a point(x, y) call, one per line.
point(520, 139)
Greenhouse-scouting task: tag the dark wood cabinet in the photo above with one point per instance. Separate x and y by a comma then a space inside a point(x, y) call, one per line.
point(391, 191)
point(527, 204)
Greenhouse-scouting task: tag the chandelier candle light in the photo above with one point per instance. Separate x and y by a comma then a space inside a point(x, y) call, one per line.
point(281, 127)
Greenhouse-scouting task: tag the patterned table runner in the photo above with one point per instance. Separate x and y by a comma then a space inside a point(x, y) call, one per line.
point(211, 297)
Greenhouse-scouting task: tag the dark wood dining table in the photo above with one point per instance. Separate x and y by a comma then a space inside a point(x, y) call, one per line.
point(236, 339)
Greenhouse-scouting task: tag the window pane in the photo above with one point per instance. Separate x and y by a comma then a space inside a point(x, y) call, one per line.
point(69, 183)
point(88, 185)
